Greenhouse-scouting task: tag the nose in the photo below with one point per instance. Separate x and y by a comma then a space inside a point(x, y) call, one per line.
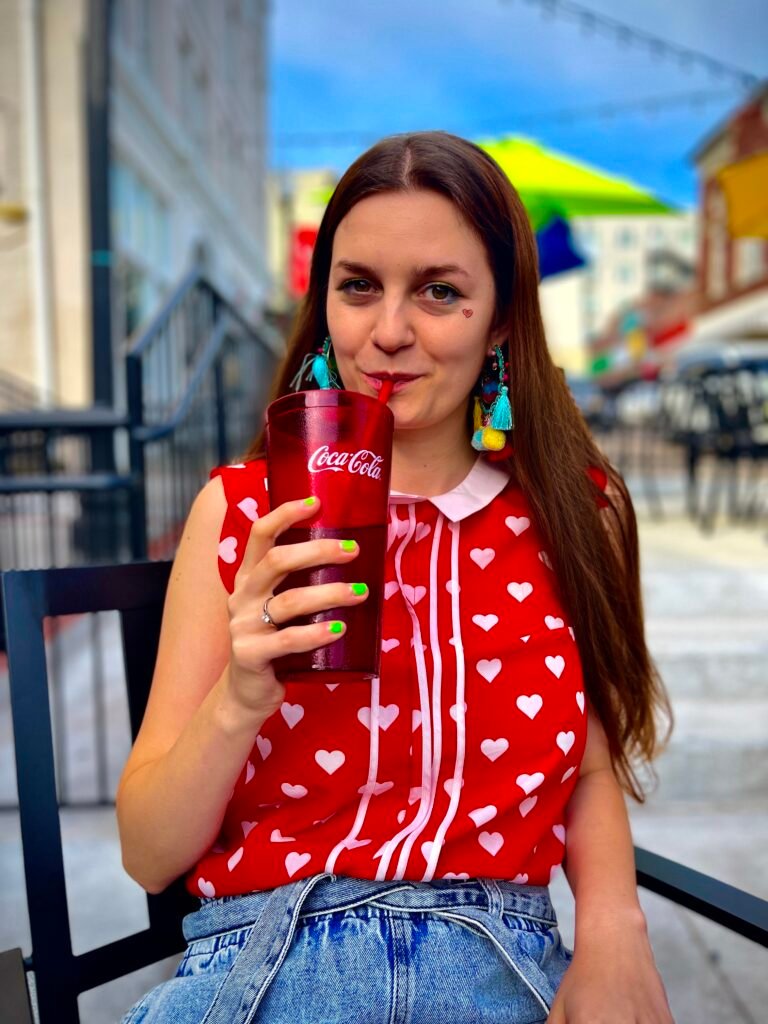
point(392, 329)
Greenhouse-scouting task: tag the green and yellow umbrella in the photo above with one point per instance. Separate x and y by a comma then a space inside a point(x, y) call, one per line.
point(552, 185)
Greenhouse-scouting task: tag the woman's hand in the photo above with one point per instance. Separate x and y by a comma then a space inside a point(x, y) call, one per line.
point(612, 979)
point(252, 682)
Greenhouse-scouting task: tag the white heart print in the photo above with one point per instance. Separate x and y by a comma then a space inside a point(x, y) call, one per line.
point(415, 720)
point(482, 556)
point(390, 589)
point(569, 773)
point(520, 590)
point(389, 645)
point(555, 665)
point(248, 827)
point(292, 713)
point(527, 805)
point(559, 831)
point(249, 506)
point(493, 749)
point(413, 594)
point(489, 669)
point(295, 862)
point(565, 741)
point(387, 715)
point(449, 586)
point(375, 788)
point(206, 888)
point(481, 815)
point(277, 836)
point(529, 782)
point(228, 550)
point(422, 530)
point(235, 859)
point(250, 771)
point(330, 760)
point(517, 524)
point(456, 874)
point(492, 842)
point(530, 706)
point(520, 879)
point(450, 785)
point(553, 622)
point(544, 557)
point(580, 700)
point(485, 622)
point(265, 746)
point(454, 711)
point(426, 848)
point(296, 791)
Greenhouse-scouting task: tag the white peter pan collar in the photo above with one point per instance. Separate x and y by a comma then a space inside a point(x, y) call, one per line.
point(478, 489)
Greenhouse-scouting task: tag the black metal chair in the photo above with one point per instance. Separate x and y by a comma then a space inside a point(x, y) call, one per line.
point(137, 591)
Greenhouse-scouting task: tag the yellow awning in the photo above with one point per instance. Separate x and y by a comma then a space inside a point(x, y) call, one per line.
point(745, 185)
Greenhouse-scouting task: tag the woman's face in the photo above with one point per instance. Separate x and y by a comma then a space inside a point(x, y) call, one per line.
point(411, 293)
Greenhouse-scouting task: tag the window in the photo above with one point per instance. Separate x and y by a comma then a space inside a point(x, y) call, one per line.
point(625, 237)
point(749, 264)
point(624, 273)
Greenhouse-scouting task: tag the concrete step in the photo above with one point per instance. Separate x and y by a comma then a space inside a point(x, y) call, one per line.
point(718, 751)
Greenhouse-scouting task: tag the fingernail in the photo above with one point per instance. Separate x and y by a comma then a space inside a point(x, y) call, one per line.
point(310, 501)
point(347, 545)
point(335, 626)
point(358, 588)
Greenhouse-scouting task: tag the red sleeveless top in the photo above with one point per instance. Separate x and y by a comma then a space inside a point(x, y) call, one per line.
point(459, 760)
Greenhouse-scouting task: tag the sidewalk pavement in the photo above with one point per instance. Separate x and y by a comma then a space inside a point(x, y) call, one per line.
point(706, 602)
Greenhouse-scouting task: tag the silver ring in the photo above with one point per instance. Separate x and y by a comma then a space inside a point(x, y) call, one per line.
point(266, 617)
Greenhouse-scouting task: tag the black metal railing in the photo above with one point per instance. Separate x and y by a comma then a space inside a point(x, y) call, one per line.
point(197, 379)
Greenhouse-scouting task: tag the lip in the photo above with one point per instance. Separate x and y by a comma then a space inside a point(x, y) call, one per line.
point(400, 380)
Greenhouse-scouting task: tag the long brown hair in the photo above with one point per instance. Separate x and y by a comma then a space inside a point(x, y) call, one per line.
point(595, 554)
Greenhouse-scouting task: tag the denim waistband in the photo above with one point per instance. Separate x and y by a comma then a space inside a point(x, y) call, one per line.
point(339, 892)
point(476, 903)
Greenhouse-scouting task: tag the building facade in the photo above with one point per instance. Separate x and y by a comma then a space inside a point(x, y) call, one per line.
point(733, 271)
point(187, 181)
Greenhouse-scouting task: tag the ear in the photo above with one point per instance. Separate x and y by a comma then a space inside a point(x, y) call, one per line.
point(497, 338)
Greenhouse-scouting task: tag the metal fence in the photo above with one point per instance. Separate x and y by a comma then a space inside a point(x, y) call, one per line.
point(99, 485)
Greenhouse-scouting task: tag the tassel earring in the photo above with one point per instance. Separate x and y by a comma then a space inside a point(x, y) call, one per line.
point(492, 414)
point(320, 367)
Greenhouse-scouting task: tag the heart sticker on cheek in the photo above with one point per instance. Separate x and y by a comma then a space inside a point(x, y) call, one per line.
point(467, 312)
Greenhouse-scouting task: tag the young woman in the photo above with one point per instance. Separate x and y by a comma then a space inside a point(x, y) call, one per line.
point(384, 853)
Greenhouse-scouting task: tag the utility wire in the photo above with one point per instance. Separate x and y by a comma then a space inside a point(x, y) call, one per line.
point(649, 106)
point(627, 35)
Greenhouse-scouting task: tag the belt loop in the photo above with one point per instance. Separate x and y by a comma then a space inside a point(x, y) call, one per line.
point(495, 896)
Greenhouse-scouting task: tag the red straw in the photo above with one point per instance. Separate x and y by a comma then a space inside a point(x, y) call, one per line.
point(386, 391)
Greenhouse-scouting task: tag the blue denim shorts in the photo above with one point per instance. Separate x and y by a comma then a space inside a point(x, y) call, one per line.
point(340, 950)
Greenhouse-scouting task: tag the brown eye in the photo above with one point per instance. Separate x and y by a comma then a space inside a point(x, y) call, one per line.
point(442, 293)
point(358, 286)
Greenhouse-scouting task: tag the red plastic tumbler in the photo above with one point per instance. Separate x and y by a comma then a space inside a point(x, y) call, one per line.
point(336, 445)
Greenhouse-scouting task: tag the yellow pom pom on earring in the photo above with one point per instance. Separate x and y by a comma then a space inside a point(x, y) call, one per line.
point(493, 440)
point(477, 415)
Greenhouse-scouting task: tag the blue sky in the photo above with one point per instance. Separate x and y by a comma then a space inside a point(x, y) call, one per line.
point(491, 67)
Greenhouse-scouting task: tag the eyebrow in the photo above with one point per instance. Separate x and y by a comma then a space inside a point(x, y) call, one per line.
point(438, 270)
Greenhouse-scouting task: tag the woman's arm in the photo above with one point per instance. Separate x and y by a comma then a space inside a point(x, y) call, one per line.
point(195, 736)
point(599, 860)
point(613, 976)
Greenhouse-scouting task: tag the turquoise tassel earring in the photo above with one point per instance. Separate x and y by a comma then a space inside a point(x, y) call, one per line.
point(493, 418)
point(319, 367)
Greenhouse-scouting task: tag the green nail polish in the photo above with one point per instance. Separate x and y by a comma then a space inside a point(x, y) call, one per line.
point(358, 588)
point(347, 545)
point(335, 626)
point(310, 501)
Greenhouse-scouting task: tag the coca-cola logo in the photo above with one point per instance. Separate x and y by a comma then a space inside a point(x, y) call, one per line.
point(363, 462)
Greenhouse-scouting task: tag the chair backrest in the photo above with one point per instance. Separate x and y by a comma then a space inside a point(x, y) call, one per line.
point(137, 592)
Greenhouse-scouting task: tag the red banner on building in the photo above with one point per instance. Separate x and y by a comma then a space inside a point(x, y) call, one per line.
point(300, 260)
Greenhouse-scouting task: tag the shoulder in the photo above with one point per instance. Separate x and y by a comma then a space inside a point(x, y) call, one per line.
point(242, 498)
